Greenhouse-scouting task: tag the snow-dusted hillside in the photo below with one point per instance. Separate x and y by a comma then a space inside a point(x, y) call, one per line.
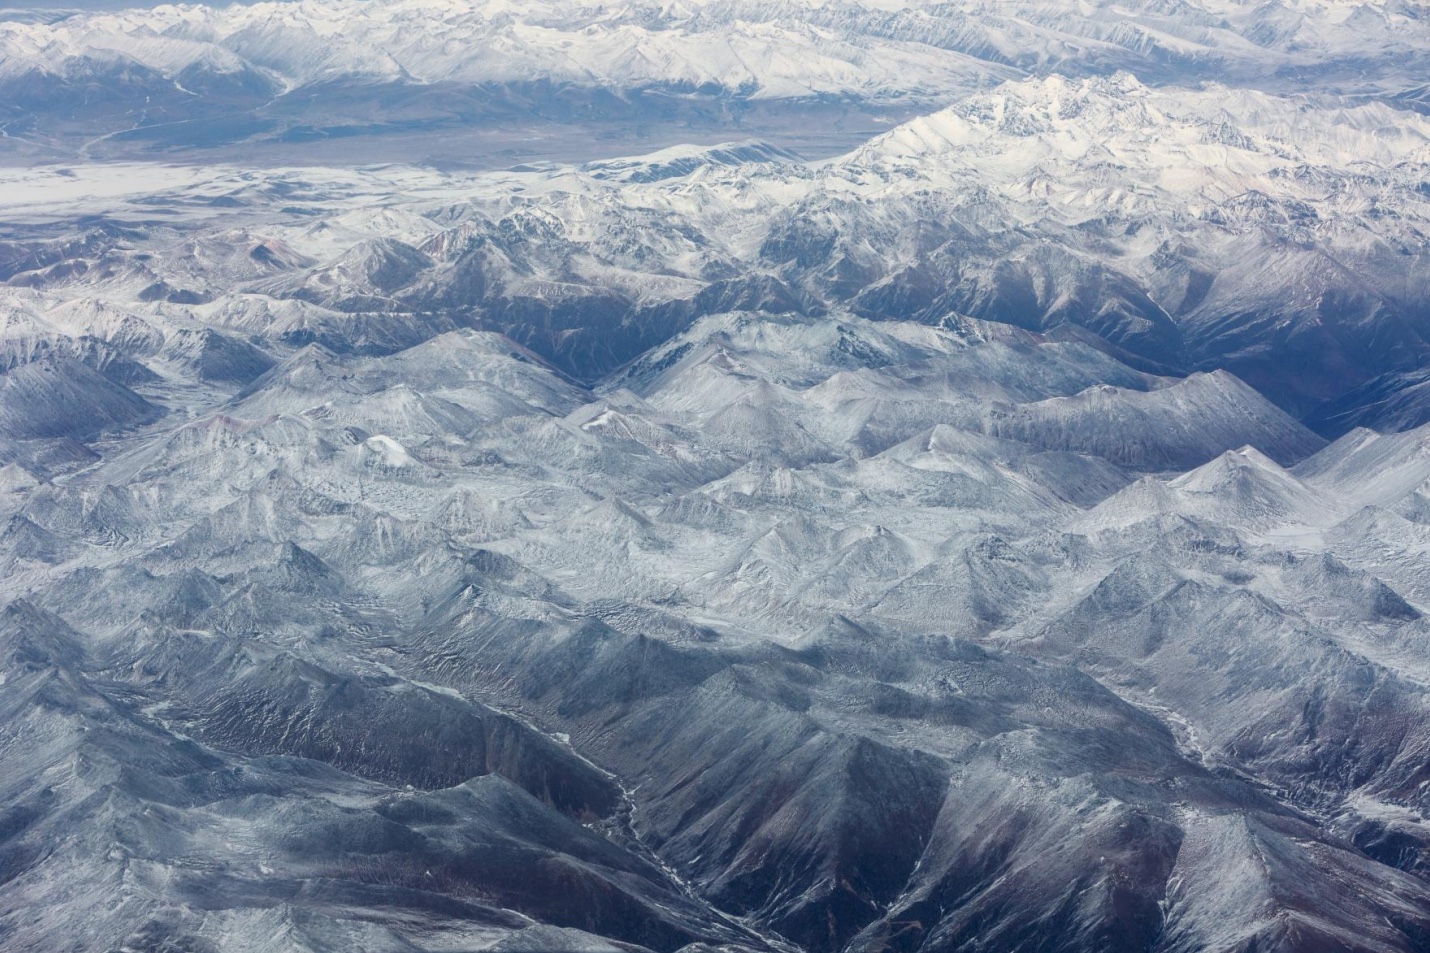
point(468, 481)
point(1282, 238)
point(773, 640)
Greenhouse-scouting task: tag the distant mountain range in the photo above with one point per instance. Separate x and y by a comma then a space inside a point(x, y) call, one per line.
point(1279, 238)
point(289, 74)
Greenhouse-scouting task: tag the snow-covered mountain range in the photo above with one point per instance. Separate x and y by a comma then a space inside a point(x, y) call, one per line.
point(763, 48)
point(798, 631)
point(1282, 238)
point(194, 76)
point(986, 510)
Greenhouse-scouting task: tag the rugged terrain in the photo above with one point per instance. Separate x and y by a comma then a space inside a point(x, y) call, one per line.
point(1003, 529)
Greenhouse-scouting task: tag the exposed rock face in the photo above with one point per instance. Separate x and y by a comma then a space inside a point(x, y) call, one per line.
point(752, 647)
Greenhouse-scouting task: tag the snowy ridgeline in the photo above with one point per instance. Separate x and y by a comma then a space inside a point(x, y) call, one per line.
point(399, 79)
point(921, 549)
point(753, 48)
point(795, 630)
point(1279, 238)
